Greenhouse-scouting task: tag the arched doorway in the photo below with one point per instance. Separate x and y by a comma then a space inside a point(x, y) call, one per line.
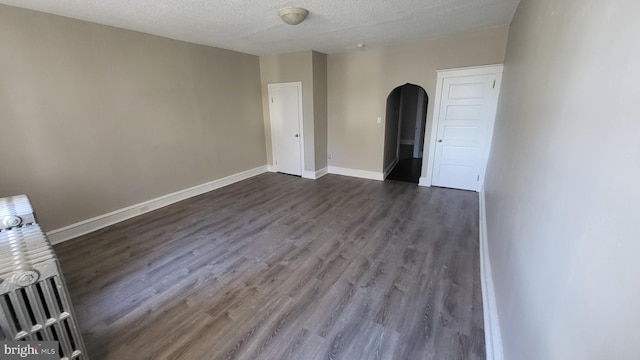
point(406, 117)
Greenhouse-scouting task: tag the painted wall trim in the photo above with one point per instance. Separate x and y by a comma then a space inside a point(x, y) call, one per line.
point(492, 334)
point(389, 168)
point(272, 168)
point(364, 174)
point(96, 223)
point(306, 174)
point(322, 172)
point(424, 182)
point(469, 70)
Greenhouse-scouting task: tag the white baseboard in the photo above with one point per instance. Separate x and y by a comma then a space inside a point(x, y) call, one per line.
point(407, 142)
point(101, 221)
point(306, 174)
point(492, 334)
point(424, 182)
point(388, 169)
point(314, 174)
point(365, 174)
point(322, 172)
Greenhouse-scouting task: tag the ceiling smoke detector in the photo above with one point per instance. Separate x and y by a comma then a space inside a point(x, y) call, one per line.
point(293, 15)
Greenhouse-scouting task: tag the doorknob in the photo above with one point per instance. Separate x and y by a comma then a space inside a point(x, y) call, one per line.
point(440, 140)
point(297, 135)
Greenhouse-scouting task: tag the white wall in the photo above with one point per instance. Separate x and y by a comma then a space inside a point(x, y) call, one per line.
point(562, 183)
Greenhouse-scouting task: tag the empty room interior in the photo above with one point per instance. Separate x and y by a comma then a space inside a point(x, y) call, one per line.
point(413, 179)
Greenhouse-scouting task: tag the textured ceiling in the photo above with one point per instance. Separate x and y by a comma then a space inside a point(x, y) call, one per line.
point(253, 26)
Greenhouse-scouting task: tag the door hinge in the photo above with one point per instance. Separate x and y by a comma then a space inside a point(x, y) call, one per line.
point(276, 162)
point(478, 179)
point(272, 98)
point(494, 84)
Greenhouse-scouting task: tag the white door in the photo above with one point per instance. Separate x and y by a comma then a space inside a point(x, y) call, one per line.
point(285, 110)
point(466, 113)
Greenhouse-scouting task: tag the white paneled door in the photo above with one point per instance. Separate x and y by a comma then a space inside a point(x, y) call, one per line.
point(464, 127)
point(285, 110)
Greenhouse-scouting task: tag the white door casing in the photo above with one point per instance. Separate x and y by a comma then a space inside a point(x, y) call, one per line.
point(464, 114)
point(285, 113)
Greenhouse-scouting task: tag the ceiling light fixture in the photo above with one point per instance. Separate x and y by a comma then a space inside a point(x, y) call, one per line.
point(293, 15)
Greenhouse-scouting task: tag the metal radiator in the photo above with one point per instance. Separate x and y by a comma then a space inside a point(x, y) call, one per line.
point(34, 301)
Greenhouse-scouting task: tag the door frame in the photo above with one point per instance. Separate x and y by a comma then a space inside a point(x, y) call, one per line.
point(496, 69)
point(298, 85)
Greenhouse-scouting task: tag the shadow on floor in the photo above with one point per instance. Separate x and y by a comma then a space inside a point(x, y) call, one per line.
point(408, 168)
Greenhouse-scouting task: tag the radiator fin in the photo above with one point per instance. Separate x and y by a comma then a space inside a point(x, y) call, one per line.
point(34, 301)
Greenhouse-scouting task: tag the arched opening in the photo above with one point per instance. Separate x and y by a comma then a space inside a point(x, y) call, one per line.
point(406, 117)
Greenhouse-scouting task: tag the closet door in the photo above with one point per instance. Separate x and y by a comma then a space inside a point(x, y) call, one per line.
point(463, 128)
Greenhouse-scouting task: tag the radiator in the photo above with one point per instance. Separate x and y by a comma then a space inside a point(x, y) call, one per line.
point(34, 301)
point(16, 211)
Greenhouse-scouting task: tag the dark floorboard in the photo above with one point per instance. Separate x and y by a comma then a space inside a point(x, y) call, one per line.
point(279, 267)
point(408, 170)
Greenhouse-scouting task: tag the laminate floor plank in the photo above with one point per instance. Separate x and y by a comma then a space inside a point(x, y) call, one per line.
point(278, 267)
point(374, 342)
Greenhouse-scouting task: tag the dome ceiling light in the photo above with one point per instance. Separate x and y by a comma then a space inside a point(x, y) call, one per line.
point(293, 15)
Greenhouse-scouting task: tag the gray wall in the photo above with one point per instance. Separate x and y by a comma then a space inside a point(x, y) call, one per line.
point(96, 118)
point(320, 108)
point(291, 67)
point(310, 68)
point(360, 81)
point(392, 123)
point(562, 183)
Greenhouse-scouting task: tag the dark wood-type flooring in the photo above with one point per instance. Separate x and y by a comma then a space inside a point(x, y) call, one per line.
point(408, 168)
point(279, 267)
